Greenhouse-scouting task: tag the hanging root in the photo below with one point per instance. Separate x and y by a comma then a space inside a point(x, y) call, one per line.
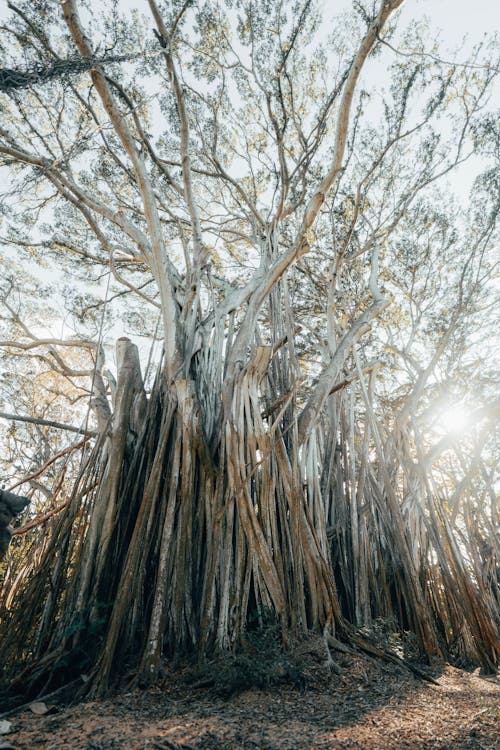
point(331, 642)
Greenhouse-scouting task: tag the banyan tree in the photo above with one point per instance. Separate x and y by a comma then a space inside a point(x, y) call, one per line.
point(284, 232)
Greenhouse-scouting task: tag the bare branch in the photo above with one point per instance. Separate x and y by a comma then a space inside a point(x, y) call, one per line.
point(47, 423)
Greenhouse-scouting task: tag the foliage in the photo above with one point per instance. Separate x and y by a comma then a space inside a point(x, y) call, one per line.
point(385, 633)
point(259, 661)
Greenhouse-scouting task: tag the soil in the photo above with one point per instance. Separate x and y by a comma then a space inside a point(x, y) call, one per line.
point(369, 705)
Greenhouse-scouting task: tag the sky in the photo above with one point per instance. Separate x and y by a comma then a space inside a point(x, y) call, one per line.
point(454, 19)
point(460, 24)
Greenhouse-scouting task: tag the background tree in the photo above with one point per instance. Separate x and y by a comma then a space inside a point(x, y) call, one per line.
point(281, 230)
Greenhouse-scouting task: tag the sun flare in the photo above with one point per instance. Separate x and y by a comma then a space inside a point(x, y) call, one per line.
point(454, 419)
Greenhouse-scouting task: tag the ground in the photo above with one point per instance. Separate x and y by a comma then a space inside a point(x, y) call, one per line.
point(369, 706)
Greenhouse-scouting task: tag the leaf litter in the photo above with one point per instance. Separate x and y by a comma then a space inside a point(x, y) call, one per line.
point(369, 706)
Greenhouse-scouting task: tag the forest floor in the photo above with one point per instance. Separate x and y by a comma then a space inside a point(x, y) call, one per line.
point(370, 706)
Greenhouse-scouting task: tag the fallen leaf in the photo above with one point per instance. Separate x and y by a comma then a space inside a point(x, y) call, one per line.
point(40, 709)
point(5, 726)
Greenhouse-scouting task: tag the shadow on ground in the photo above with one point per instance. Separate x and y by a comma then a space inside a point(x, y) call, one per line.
point(369, 706)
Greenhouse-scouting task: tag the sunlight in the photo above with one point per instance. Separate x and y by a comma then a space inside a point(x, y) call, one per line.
point(454, 419)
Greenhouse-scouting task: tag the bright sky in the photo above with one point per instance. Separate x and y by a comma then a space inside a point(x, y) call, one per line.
point(456, 18)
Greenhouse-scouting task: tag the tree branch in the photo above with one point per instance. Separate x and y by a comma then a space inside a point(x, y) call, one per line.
point(47, 423)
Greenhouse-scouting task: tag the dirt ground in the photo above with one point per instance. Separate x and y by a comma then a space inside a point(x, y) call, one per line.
point(370, 706)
